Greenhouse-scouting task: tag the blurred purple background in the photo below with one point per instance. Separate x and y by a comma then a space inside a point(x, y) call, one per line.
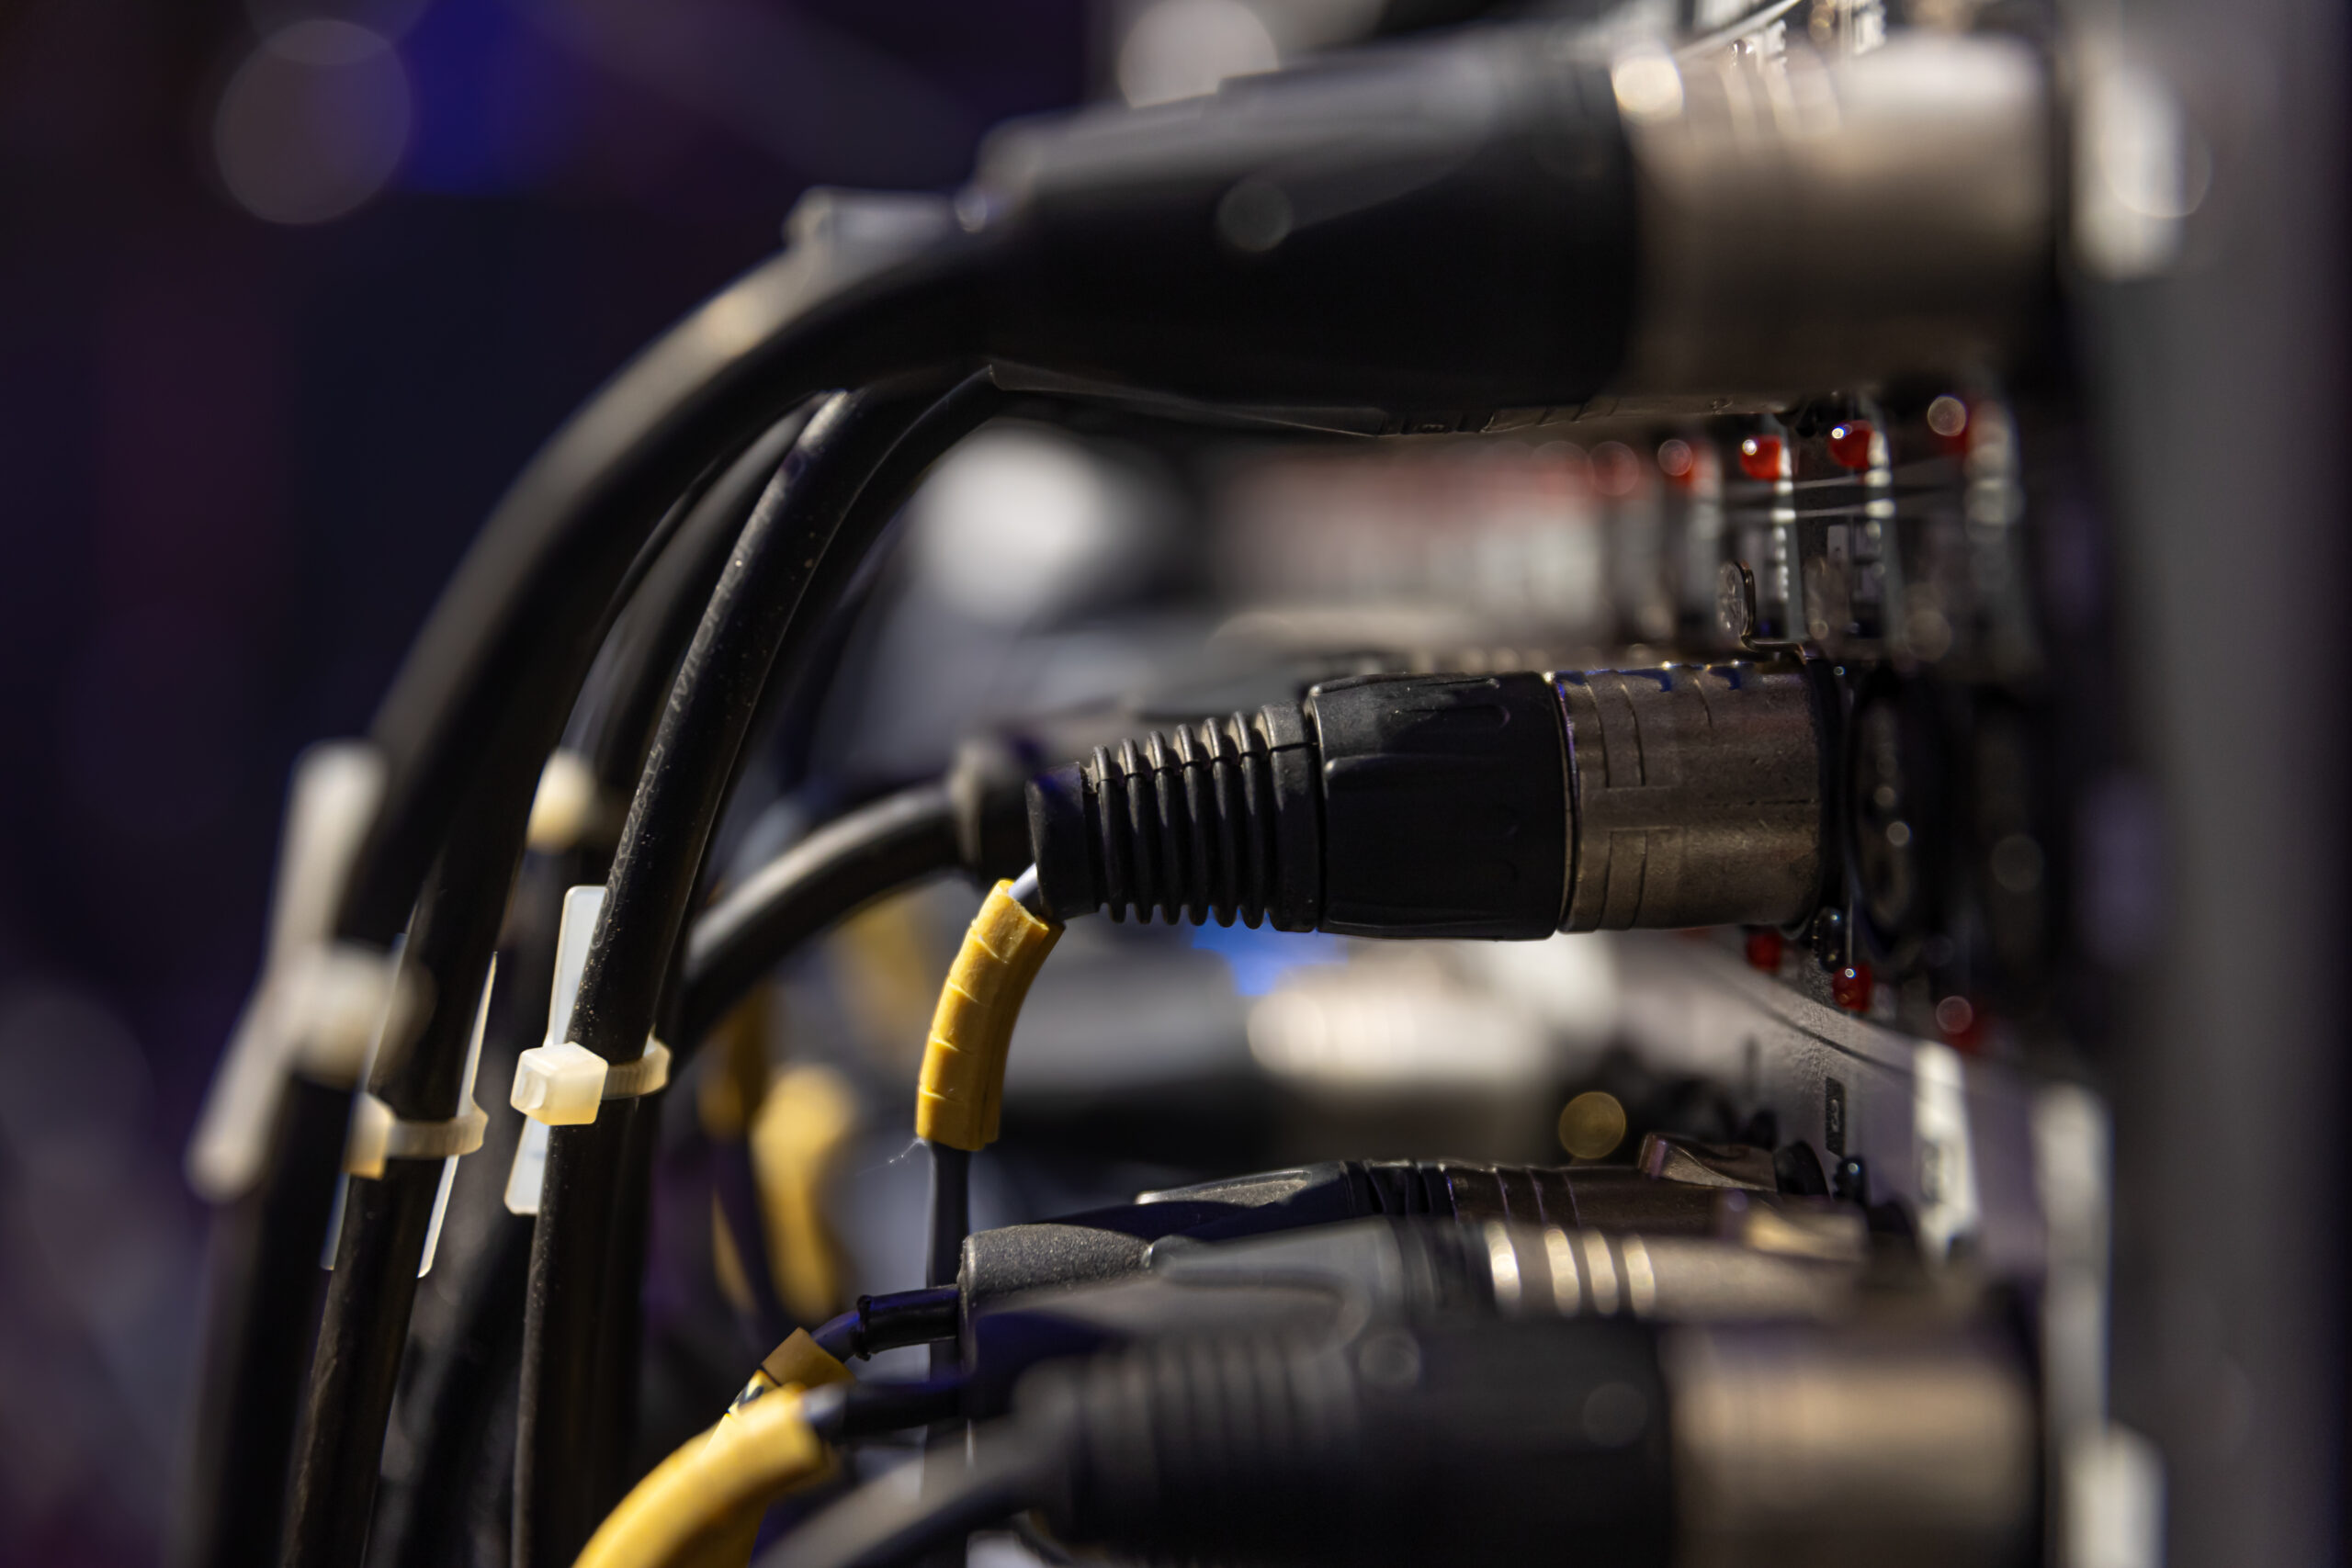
point(289, 292)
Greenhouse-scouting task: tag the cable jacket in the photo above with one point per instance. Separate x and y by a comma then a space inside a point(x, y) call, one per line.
point(636, 666)
point(793, 558)
point(658, 625)
point(712, 1489)
point(960, 1096)
point(355, 1369)
point(849, 862)
point(262, 1290)
point(885, 1525)
point(493, 671)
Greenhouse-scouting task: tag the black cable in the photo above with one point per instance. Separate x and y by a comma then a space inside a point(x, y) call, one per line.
point(883, 1525)
point(262, 1288)
point(951, 1217)
point(457, 1388)
point(839, 574)
point(618, 1355)
point(639, 657)
point(948, 1222)
point(481, 702)
point(845, 1411)
point(951, 1174)
point(853, 859)
point(457, 1423)
point(493, 671)
point(655, 631)
point(790, 562)
point(891, 1322)
point(355, 1368)
point(238, 1479)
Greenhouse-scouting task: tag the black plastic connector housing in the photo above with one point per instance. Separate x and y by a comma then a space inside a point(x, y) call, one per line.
point(1390, 806)
point(1445, 806)
point(1475, 1442)
point(1438, 230)
point(1460, 805)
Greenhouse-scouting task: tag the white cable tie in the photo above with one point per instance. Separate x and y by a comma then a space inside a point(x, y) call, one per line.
point(628, 1081)
point(378, 1133)
point(376, 1136)
point(346, 1004)
point(581, 906)
point(562, 1084)
point(568, 805)
point(299, 1016)
point(528, 1174)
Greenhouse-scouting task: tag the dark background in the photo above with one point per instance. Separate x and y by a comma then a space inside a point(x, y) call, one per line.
point(239, 458)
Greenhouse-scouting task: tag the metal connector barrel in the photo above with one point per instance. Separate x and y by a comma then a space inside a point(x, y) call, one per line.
point(1459, 805)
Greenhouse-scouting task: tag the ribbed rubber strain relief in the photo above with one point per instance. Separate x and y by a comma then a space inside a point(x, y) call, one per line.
point(1209, 819)
point(1203, 1449)
point(1387, 806)
point(1458, 1438)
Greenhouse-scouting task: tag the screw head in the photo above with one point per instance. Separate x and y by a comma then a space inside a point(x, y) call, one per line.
point(1735, 600)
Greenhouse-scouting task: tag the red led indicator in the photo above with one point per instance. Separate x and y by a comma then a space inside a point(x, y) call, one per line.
point(1850, 988)
point(1764, 948)
point(1759, 458)
point(1849, 444)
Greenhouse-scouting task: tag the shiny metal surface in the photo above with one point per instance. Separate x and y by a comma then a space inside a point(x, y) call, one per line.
point(1697, 796)
point(1805, 224)
point(1864, 1447)
point(1670, 1158)
point(1540, 1270)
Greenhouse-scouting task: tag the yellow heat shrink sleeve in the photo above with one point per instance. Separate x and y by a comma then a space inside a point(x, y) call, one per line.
point(701, 1506)
point(962, 1088)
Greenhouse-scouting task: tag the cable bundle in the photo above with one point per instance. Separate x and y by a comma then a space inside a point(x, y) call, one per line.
point(1410, 242)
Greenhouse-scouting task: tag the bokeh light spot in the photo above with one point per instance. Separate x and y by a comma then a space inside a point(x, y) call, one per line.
point(1183, 49)
point(313, 123)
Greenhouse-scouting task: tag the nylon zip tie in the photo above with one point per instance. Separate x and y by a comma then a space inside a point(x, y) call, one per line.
point(561, 1083)
point(317, 1004)
point(378, 1134)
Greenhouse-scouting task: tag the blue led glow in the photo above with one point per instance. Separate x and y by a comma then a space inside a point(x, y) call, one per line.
point(1259, 958)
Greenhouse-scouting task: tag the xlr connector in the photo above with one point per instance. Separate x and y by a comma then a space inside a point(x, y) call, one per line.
point(1459, 805)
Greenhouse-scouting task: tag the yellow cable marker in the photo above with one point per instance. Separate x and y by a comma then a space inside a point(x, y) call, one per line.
point(800, 1360)
point(701, 1506)
point(961, 1091)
